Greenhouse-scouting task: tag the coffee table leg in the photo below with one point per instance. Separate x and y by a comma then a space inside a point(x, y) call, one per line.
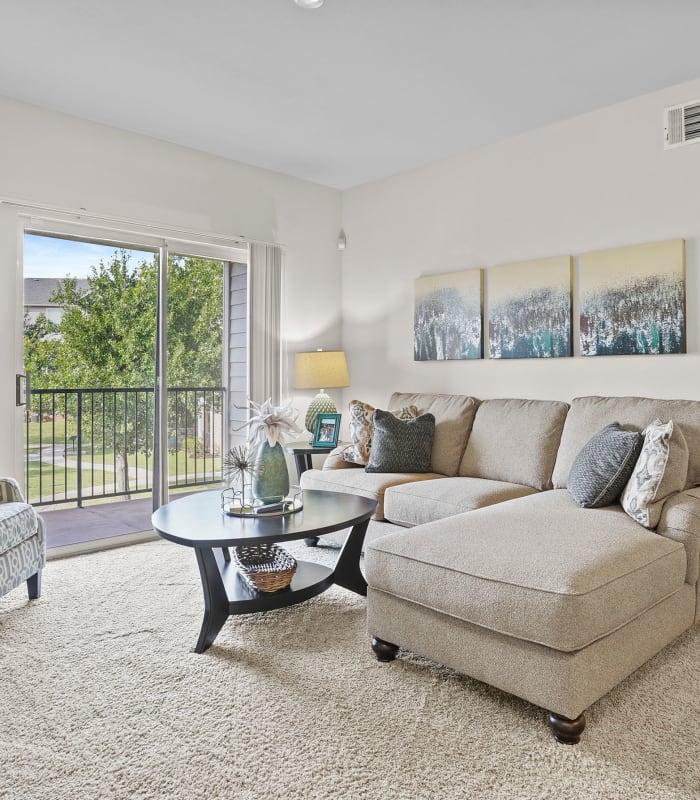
point(347, 571)
point(216, 605)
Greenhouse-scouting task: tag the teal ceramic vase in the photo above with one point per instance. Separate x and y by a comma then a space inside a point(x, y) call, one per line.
point(271, 477)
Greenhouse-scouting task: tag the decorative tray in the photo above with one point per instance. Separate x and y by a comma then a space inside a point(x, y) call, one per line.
point(232, 506)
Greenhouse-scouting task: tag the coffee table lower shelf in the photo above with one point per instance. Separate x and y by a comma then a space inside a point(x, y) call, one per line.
point(226, 592)
point(309, 580)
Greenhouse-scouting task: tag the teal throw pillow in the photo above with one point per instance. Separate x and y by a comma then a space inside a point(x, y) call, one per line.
point(401, 445)
point(604, 465)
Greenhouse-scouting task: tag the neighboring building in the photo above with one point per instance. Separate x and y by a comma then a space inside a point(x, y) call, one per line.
point(37, 298)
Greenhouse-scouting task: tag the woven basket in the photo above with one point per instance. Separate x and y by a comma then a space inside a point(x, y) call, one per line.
point(265, 567)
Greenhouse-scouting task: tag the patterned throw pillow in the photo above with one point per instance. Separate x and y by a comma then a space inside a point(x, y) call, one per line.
point(361, 426)
point(660, 471)
point(603, 466)
point(401, 445)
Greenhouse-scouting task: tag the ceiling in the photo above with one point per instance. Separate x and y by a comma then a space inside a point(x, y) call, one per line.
point(348, 93)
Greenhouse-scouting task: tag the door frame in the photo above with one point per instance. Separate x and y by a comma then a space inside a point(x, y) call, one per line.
point(115, 233)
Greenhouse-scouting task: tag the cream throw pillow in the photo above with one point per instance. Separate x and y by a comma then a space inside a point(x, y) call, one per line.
point(361, 427)
point(660, 471)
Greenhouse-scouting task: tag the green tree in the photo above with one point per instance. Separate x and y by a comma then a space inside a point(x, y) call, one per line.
point(195, 316)
point(42, 344)
point(108, 331)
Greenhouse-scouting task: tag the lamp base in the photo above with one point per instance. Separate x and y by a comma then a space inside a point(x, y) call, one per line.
point(321, 404)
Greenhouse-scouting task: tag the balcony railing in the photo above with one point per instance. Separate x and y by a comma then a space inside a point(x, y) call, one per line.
point(83, 444)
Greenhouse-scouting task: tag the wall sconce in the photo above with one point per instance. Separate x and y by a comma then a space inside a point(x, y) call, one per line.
point(342, 240)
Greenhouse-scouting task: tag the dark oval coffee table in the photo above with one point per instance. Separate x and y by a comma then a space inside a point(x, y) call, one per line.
point(198, 521)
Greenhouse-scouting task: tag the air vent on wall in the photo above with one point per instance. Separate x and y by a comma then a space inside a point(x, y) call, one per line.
point(682, 124)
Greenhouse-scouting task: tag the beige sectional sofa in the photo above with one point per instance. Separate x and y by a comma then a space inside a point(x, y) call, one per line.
point(488, 566)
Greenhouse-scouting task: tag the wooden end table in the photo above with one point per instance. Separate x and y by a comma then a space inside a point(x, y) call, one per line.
point(302, 452)
point(198, 521)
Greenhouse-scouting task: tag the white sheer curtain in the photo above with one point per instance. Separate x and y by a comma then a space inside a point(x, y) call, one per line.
point(265, 378)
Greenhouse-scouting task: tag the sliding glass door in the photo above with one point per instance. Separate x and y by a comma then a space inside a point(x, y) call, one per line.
point(128, 361)
point(194, 374)
point(89, 344)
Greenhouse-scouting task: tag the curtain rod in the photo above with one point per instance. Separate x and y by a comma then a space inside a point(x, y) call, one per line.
point(85, 217)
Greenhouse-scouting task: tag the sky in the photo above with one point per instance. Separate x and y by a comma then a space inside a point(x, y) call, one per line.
point(49, 257)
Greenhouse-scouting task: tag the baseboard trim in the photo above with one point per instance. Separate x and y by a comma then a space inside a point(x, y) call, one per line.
point(81, 548)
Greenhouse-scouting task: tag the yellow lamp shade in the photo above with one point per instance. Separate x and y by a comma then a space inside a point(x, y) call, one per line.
point(321, 369)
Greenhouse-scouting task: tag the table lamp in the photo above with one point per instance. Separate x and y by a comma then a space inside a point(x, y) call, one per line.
point(326, 368)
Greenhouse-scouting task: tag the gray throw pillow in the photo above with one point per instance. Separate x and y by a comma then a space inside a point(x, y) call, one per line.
point(604, 465)
point(401, 445)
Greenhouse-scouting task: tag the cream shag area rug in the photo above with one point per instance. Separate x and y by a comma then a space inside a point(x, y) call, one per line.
point(101, 696)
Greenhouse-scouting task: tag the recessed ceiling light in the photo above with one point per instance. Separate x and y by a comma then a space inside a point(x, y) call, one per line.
point(309, 3)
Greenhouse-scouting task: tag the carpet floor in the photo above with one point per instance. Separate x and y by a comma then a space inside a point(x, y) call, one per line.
point(101, 696)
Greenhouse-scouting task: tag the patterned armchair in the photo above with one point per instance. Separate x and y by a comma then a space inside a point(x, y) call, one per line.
point(22, 541)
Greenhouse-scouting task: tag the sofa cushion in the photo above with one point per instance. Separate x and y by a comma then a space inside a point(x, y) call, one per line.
point(604, 466)
point(538, 568)
point(357, 481)
point(18, 521)
point(454, 415)
point(401, 445)
point(417, 503)
point(660, 471)
point(589, 414)
point(336, 460)
point(362, 426)
point(515, 441)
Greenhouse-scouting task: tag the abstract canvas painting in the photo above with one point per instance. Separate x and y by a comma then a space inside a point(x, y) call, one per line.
point(530, 309)
point(448, 317)
point(633, 300)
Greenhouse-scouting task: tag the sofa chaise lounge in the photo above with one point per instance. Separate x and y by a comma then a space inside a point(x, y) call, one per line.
point(487, 565)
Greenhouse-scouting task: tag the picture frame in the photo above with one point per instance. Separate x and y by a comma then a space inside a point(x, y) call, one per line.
point(529, 309)
point(632, 300)
point(448, 317)
point(326, 431)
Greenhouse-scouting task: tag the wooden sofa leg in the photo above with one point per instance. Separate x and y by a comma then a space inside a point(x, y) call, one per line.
point(385, 651)
point(567, 731)
point(34, 585)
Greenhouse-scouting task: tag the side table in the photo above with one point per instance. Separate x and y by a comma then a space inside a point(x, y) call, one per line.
point(302, 452)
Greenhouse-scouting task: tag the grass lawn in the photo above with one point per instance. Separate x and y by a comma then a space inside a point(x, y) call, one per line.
point(56, 481)
point(57, 431)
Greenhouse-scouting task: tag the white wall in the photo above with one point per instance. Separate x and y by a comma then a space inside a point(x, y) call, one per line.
point(600, 180)
point(57, 160)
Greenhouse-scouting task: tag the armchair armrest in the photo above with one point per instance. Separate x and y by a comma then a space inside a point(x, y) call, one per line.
point(10, 491)
point(680, 521)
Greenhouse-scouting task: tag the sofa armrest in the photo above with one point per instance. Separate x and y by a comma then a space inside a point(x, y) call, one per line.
point(10, 491)
point(680, 521)
point(335, 460)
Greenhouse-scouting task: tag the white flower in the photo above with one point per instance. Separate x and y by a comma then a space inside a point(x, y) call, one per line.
point(270, 422)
